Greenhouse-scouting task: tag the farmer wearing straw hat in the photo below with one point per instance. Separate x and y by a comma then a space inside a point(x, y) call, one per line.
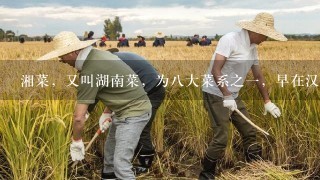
point(141, 42)
point(130, 104)
point(159, 41)
point(235, 55)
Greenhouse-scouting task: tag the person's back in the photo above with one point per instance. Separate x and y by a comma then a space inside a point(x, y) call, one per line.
point(195, 39)
point(103, 41)
point(208, 41)
point(203, 42)
point(21, 40)
point(123, 41)
point(120, 99)
point(90, 37)
point(141, 42)
point(162, 41)
point(159, 42)
point(146, 72)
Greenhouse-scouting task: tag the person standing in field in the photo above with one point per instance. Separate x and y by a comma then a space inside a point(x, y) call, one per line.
point(235, 55)
point(130, 104)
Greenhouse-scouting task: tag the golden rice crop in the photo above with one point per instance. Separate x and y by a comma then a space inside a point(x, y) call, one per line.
point(35, 134)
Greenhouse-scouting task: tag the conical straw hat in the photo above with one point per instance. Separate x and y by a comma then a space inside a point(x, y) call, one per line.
point(159, 35)
point(263, 23)
point(64, 43)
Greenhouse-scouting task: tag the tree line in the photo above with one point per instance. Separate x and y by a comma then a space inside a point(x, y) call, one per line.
point(6, 35)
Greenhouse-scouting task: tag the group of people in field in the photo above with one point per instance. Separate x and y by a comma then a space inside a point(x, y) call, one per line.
point(129, 111)
point(195, 40)
point(159, 41)
point(124, 42)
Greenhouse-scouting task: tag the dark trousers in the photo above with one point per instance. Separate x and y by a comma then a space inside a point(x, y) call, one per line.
point(145, 146)
point(221, 117)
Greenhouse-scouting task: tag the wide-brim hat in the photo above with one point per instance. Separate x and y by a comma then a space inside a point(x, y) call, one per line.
point(64, 43)
point(263, 23)
point(159, 35)
point(139, 36)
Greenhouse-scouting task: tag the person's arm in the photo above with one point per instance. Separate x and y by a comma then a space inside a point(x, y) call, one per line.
point(216, 72)
point(79, 118)
point(228, 100)
point(260, 83)
point(268, 105)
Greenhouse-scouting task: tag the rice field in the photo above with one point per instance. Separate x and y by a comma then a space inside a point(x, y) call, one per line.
point(35, 123)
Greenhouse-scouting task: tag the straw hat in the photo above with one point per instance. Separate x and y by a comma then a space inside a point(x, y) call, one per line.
point(159, 35)
point(263, 23)
point(64, 43)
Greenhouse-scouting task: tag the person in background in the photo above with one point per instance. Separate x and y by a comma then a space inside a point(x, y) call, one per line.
point(205, 41)
point(141, 42)
point(189, 42)
point(159, 41)
point(103, 41)
point(123, 41)
point(195, 39)
point(21, 39)
point(90, 37)
point(46, 38)
point(208, 41)
point(235, 54)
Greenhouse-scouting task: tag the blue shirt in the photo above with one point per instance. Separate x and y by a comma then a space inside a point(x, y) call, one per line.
point(148, 75)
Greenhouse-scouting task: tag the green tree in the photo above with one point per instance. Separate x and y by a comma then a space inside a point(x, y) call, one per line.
point(109, 29)
point(217, 37)
point(113, 33)
point(10, 35)
point(117, 26)
point(112, 28)
point(2, 35)
point(106, 27)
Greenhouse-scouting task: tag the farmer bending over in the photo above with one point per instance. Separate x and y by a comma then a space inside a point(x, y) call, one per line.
point(131, 105)
point(149, 76)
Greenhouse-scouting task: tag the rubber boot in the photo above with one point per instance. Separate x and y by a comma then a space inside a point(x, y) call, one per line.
point(108, 176)
point(145, 163)
point(209, 169)
point(253, 155)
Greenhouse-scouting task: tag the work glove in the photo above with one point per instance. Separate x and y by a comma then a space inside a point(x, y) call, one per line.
point(229, 102)
point(105, 121)
point(272, 109)
point(86, 116)
point(77, 150)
